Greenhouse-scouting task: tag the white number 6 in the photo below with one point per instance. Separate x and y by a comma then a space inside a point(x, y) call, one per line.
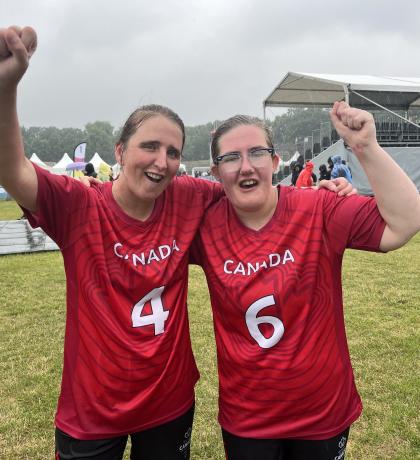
point(252, 321)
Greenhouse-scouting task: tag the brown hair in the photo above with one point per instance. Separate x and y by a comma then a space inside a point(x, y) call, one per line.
point(143, 113)
point(233, 122)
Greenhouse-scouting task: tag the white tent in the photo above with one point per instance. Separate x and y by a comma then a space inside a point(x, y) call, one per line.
point(60, 166)
point(294, 157)
point(364, 91)
point(116, 168)
point(35, 159)
point(102, 168)
point(96, 160)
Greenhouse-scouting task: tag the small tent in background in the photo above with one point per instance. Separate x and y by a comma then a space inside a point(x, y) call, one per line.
point(291, 160)
point(60, 166)
point(35, 159)
point(102, 168)
point(116, 170)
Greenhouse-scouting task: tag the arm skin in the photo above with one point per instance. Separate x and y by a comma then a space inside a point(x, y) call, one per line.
point(396, 196)
point(17, 173)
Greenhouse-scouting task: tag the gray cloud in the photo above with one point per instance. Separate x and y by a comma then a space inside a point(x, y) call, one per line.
point(205, 59)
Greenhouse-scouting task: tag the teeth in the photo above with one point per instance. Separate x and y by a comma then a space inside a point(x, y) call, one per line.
point(154, 176)
point(248, 182)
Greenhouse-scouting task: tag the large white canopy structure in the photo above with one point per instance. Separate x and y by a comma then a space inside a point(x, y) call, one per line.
point(364, 91)
point(393, 94)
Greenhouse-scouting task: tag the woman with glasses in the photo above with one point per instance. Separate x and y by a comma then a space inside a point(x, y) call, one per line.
point(272, 257)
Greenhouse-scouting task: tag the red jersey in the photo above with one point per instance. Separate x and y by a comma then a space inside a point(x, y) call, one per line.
point(128, 362)
point(283, 361)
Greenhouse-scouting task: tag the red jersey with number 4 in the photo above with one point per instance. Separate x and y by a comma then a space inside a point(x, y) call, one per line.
point(284, 365)
point(128, 363)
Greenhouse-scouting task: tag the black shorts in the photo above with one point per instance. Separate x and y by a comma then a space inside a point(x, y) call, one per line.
point(170, 441)
point(238, 448)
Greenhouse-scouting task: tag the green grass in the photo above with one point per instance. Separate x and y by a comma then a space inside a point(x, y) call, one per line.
point(382, 295)
point(9, 210)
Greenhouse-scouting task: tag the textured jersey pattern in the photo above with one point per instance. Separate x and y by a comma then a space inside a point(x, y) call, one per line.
point(283, 361)
point(128, 363)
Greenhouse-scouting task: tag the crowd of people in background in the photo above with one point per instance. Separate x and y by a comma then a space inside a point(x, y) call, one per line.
point(303, 175)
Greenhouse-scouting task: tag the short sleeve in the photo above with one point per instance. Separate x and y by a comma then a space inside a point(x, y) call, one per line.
point(352, 222)
point(59, 200)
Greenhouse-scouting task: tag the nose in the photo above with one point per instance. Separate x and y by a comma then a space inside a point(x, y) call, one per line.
point(246, 166)
point(161, 161)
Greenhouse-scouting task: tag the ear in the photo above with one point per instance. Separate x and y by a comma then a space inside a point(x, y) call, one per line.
point(118, 151)
point(276, 162)
point(215, 172)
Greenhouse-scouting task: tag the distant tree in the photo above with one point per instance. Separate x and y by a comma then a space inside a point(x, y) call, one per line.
point(297, 122)
point(50, 143)
point(100, 138)
point(197, 142)
point(70, 137)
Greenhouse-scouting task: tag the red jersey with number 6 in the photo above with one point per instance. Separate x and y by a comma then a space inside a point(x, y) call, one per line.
point(128, 363)
point(284, 365)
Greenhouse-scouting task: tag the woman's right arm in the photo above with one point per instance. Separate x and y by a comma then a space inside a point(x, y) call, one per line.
point(17, 174)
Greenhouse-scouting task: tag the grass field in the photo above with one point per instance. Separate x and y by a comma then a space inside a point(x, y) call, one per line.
point(382, 297)
point(9, 210)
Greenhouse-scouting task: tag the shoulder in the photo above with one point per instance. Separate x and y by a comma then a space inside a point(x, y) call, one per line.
point(195, 183)
point(61, 185)
point(191, 188)
point(217, 209)
point(295, 195)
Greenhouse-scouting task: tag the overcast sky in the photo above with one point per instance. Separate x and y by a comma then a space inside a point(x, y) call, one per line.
point(206, 59)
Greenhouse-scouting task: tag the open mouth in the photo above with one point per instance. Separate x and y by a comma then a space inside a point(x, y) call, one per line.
point(156, 178)
point(248, 183)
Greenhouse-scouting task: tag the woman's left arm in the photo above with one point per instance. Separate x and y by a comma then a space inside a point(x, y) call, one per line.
point(396, 195)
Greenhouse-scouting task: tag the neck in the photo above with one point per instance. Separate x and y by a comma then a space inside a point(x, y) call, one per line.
point(132, 206)
point(257, 219)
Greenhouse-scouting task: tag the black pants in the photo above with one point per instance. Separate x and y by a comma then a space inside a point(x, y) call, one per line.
point(238, 448)
point(170, 441)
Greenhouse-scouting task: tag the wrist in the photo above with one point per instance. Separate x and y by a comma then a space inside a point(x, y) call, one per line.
point(8, 93)
point(366, 150)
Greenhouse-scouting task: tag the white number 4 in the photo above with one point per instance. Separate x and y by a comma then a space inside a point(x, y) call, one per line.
point(158, 315)
point(252, 321)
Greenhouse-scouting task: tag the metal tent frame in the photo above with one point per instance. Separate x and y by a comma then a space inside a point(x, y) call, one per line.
point(364, 91)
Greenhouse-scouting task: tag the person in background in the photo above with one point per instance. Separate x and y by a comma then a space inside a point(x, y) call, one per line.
point(296, 170)
point(330, 165)
point(273, 261)
point(324, 173)
point(90, 170)
point(306, 178)
point(344, 162)
point(340, 169)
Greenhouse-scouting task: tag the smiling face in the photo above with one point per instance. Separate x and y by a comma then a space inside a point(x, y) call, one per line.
point(149, 160)
point(249, 189)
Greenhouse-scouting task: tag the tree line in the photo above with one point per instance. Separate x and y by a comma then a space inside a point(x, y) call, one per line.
point(50, 143)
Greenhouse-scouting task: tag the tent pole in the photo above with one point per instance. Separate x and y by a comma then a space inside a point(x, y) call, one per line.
point(384, 108)
point(346, 94)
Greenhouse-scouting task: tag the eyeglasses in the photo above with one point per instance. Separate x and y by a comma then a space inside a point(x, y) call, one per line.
point(231, 161)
